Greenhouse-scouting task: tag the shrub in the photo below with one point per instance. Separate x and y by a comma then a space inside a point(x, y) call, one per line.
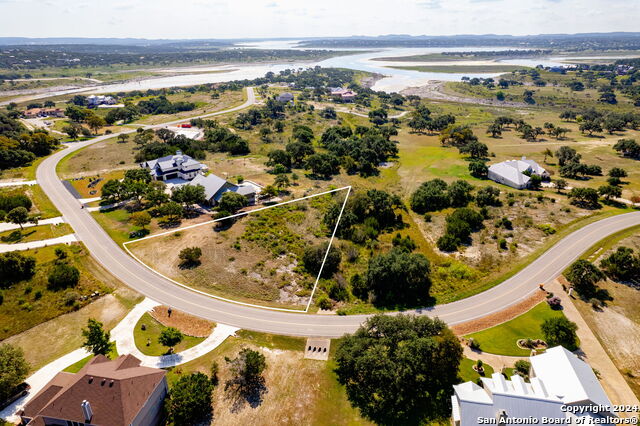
point(15, 267)
point(190, 257)
point(313, 257)
point(560, 331)
point(324, 303)
point(554, 302)
point(522, 367)
point(63, 276)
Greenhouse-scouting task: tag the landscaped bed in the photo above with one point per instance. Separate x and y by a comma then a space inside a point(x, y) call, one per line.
point(147, 339)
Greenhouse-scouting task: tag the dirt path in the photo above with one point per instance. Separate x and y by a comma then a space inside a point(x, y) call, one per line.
point(612, 381)
point(435, 90)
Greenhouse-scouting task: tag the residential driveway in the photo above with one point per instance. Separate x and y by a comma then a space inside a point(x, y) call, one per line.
point(593, 353)
point(65, 239)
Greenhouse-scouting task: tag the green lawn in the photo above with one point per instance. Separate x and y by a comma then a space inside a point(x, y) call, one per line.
point(116, 223)
point(151, 334)
point(35, 233)
point(468, 374)
point(501, 339)
point(77, 366)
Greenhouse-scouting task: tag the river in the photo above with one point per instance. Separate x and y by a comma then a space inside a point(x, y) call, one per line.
point(394, 79)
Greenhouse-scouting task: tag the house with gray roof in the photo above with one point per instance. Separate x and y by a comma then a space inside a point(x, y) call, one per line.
point(174, 166)
point(561, 387)
point(214, 187)
point(515, 173)
point(285, 97)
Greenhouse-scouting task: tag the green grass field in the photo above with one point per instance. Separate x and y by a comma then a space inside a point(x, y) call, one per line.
point(468, 374)
point(501, 339)
point(152, 332)
point(35, 233)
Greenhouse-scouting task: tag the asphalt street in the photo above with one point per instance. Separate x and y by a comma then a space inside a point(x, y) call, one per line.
point(543, 269)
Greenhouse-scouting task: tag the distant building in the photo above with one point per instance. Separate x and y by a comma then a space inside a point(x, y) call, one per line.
point(43, 112)
point(558, 379)
point(174, 166)
point(344, 95)
point(103, 392)
point(285, 97)
point(215, 187)
point(94, 100)
point(514, 173)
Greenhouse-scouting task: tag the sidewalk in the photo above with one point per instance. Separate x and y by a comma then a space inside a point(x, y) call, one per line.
point(612, 381)
point(17, 183)
point(5, 226)
point(65, 239)
point(496, 361)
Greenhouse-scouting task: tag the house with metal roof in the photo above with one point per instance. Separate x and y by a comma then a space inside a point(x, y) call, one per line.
point(174, 166)
point(215, 187)
point(515, 173)
point(561, 387)
point(285, 97)
point(103, 392)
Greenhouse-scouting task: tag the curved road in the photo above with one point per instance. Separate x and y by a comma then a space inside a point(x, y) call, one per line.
point(129, 271)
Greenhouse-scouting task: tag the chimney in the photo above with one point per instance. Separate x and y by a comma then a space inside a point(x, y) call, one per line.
point(86, 410)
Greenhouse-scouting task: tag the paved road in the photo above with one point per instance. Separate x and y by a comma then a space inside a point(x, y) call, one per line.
point(114, 259)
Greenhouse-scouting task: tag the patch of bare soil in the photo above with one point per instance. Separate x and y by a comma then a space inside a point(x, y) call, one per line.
point(434, 90)
point(187, 324)
point(499, 317)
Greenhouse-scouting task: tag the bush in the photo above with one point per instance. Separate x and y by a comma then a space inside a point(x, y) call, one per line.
point(559, 331)
point(448, 243)
point(63, 276)
point(313, 257)
point(170, 337)
point(15, 267)
point(554, 302)
point(324, 303)
point(190, 257)
point(522, 367)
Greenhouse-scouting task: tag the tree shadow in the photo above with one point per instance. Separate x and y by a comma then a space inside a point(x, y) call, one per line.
point(241, 394)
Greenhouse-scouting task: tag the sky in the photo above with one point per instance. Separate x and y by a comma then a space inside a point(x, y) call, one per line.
point(304, 18)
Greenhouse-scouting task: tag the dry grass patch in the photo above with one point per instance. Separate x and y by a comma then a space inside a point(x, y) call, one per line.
point(187, 324)
point(255, 260)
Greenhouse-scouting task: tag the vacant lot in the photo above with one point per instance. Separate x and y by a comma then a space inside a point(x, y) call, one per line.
point(29, 303)
point(617, 324)
point(99, 158)
point(298, 391)
point(42, 206)
point(256, 259)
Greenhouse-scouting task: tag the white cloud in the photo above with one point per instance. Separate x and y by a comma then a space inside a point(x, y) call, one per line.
point(298, 18)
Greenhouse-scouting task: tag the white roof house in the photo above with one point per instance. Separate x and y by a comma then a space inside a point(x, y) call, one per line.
point(558, 379)
point(174, 166)
point(215, 187)
point(512, 172)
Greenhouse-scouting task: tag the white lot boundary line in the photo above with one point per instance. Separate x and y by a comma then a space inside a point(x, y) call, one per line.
point(333, 234)
point(124, 245)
